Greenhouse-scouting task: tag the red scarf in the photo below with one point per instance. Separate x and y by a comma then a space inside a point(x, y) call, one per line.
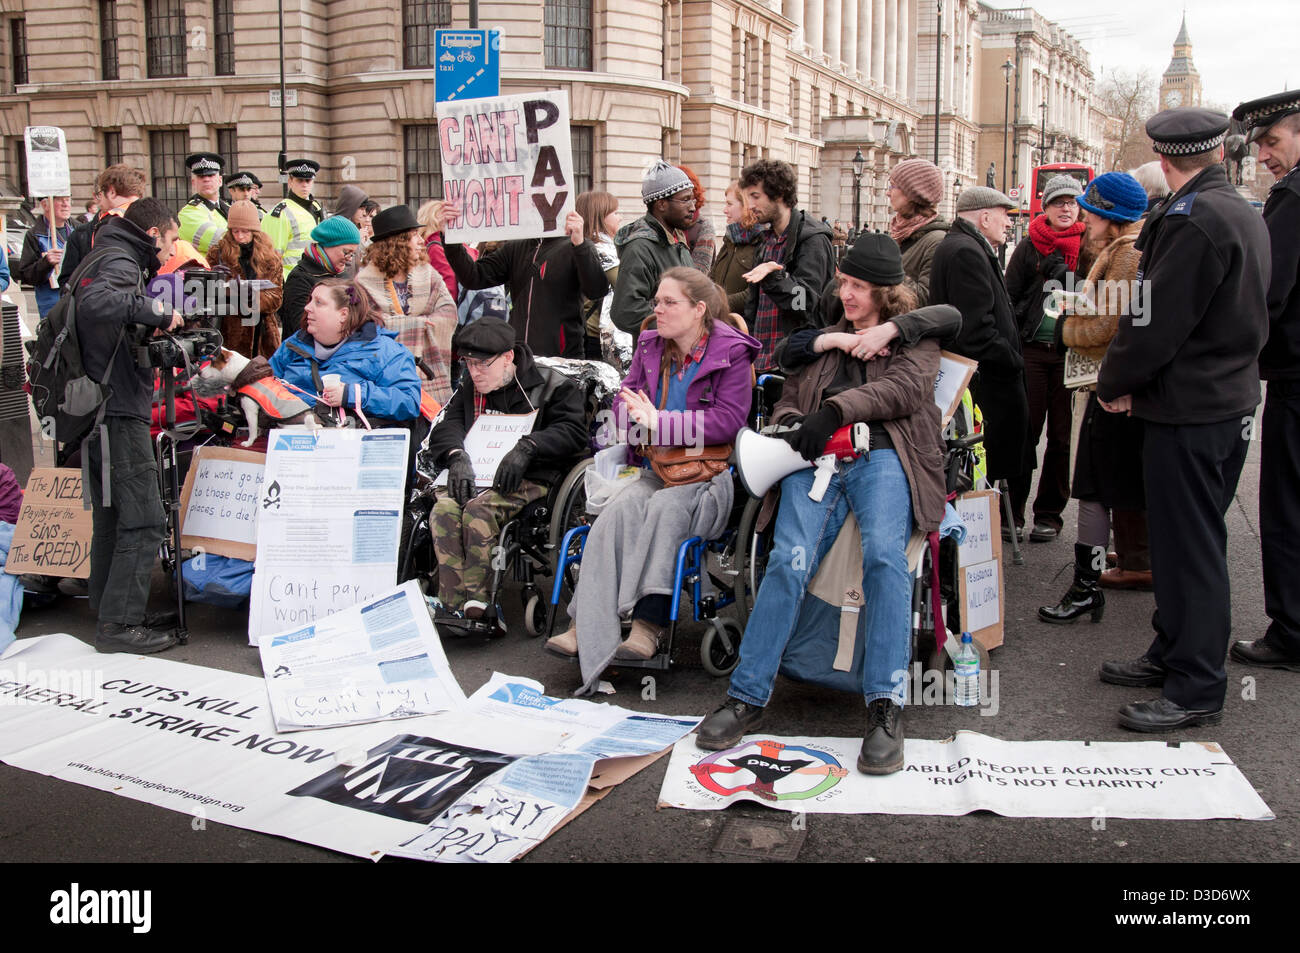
point(1047, 240)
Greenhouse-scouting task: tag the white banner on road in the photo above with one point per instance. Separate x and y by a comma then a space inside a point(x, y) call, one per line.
point(328, 524)
point(969, 772)
point(377, 661)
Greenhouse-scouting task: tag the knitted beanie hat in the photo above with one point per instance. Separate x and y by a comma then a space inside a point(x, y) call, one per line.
point(920, 180)
point(335, 230)
point(875, 258)
point(663, 180)
point(243, 214)
point(1116, 196)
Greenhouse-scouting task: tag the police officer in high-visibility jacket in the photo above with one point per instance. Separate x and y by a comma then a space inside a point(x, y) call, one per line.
point(241, 186)
point(203, 219)
point(289, 224)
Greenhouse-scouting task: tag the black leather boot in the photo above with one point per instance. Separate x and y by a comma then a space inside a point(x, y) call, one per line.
point(1085, 596)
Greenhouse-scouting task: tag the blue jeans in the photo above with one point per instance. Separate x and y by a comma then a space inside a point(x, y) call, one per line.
point(876, 490)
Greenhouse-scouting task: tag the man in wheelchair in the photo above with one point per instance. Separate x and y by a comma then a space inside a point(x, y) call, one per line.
point(900, 479)
point(501, 378)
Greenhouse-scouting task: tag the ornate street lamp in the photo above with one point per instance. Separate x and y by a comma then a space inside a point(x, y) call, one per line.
point(859, 163)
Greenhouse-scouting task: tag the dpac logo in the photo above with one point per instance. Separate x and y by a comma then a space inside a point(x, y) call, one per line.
point(76, 906)
point(408, 777)
point(762, 770)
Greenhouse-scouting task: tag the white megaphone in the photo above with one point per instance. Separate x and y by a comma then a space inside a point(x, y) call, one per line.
point(761, 461)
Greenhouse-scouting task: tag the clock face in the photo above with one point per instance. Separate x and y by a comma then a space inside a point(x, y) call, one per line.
point(1173, 98)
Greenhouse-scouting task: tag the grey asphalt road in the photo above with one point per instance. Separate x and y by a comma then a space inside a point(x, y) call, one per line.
point(1048, 689)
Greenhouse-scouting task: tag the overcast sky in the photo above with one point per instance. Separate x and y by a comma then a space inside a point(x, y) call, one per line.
point(1242, 49)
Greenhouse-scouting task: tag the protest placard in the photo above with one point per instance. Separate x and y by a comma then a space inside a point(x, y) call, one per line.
point(47, 161)
point(52, 536)
point(951, 382)
point(219, 502)
point(1080, 371)
point(507, 160)
point(328, 524)
point(489, 439)
point(979, 567)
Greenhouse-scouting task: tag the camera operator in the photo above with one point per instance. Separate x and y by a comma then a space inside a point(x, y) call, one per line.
point(122, 478)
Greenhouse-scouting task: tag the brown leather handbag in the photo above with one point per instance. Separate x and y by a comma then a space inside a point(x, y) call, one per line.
point(678, 466)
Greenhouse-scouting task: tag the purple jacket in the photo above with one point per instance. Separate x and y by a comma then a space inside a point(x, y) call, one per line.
point(717, 400)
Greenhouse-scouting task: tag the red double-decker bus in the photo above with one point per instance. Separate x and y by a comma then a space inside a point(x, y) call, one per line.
point(1045, 173)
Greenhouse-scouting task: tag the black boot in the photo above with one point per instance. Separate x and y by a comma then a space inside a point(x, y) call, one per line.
point(1085, 595)
point(882, 746)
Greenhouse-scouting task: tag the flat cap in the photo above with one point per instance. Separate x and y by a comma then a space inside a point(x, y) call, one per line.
point(981, 196)
point(204, 163)
point(484, 338)
point(301, 168)
point(1259, 115)
point(1187, 130)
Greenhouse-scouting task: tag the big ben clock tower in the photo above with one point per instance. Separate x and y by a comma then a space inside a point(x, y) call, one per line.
point(1181, 84)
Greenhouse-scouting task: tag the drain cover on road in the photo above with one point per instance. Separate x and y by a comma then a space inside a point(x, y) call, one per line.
point(761, 838)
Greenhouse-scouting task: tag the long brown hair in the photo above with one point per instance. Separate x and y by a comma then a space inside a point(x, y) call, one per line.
point(350, 295)
point(393, 255)
point(893, 300)
point(697, 287)
point(266, 263)
point(594, 207)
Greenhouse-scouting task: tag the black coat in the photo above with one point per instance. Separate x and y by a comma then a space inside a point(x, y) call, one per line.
point(1280, 359)
point(1027, 271)
point(108, 298)
point(547, 279)
point(306, 275)
point(560, 432)
point(79, 247)
point(965, 274)
point(797, 287)
point(1194, 358)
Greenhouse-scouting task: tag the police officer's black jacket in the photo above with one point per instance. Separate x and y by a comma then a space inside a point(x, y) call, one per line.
point(560, 432)
point(965, 274)
point(110, 297)
point(1193, 356)
point(1280, 359)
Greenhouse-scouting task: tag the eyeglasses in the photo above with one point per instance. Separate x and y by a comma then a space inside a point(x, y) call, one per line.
point(474, 364)
point(666, 302)
point(688, 200)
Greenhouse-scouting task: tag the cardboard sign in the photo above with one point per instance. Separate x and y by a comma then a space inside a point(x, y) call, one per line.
point(47, 161)
point(1080, 371)
point(979, 567)
point(219, 502)
point(508, 162)
point(54, 527)
point(951, 382)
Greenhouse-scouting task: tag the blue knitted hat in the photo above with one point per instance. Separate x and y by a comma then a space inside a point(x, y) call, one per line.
point(337, 230)
point(1116, 196)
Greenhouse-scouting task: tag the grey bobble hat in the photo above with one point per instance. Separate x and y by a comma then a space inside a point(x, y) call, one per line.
point(1059, 185)
point(663, 180)
point(980, 197)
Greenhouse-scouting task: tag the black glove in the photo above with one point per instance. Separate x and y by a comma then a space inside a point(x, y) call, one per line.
point(513, 466)
point(1053, 266)
point(460, 478)
point(814, 430)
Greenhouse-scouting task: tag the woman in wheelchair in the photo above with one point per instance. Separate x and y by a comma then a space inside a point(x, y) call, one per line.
point(900, 480)
point(343, 335)
point(689, 386)
point(500, 378)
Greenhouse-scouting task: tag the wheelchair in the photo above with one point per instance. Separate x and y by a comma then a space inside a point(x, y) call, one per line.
point(528, 544)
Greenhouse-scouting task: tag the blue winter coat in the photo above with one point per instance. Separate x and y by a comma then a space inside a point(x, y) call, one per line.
point(370, 360)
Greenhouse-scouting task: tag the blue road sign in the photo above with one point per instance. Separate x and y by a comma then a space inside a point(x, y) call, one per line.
point(469, 64)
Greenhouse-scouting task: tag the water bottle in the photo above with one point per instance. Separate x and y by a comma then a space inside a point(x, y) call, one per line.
point(966, 684)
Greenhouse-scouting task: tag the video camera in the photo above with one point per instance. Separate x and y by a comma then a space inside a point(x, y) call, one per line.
point(205, 298)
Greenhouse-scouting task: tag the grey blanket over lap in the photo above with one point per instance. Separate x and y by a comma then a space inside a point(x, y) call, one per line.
point(631, 552)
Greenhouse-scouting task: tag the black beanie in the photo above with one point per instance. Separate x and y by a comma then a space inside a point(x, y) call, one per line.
point(874, 257)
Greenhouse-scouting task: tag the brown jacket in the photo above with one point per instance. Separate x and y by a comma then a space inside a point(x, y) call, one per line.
point(729, 268)
point(236, 335)
point(1110, 285)
point(900, 392)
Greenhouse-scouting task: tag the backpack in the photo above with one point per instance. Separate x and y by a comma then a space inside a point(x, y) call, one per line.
point(62, 392)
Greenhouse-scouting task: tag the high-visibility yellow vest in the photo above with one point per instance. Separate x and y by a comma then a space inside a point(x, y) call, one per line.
point(202, 224)
point(289, 226)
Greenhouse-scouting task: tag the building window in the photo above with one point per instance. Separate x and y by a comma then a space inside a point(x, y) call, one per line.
point(170, 183)
point(108, 39)
point(228, 149)
point(568, 34)
point(223, 31)
point(112, 148)
point(582, 141)
point(20, 166)
point(419, 19)
point(423, 165)
point(164, 38)
point(18, 46)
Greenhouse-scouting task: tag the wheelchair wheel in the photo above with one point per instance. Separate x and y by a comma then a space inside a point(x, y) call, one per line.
point(536, 610)
point(720, 647)
point(570, 505)
point(751, 560)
